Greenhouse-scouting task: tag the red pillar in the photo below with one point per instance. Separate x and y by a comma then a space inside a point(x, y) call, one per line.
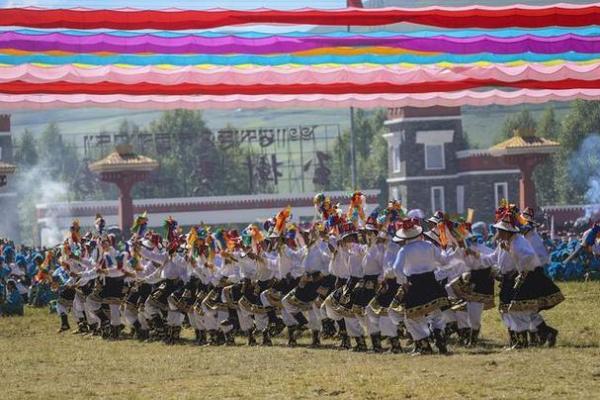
point(125, 206)
point(527, 187)
point(526, 164)
point(124, 181)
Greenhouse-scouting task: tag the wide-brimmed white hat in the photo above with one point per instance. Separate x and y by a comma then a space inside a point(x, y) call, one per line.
point(409, 229)
point(433, 235)
point(506, 226)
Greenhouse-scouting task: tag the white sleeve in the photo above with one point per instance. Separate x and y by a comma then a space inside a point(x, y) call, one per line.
point(152, 256)
point(399, 267)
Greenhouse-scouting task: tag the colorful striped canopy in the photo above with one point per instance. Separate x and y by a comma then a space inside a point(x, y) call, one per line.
point(124, 67)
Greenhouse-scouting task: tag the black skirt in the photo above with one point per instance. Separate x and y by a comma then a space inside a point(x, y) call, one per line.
point(133, 297)
point(144, 291)
point(384, 296)
point(88, 288)
point(507, 290)
point(424, 295)
point(232, 294)
point(250, 301)
point(480, 288)
point(66, 296)
point(364, 291)
point(536, 293)
point(164, 290)
point(113, 290)
point(213, 300)
point(308, 292)
point(285, 285)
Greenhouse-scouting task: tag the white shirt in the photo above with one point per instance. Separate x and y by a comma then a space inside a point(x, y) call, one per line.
point(317, 258)
point(247, 268)
point(290, 262)
point(453, 264)
point(111, 266)
point(372, 263)
point(520, 256)
point(173, 267)
point(265, 268)
point(338, 266)
point(354, 257)
point(417, 257)
point(149, 273)
point(537, 243)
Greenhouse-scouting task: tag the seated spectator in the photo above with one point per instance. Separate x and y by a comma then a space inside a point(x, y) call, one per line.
point(12, 303)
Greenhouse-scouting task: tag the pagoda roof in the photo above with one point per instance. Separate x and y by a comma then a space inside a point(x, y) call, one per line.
point(6, 168)
point(525, 144)
point(124, 159)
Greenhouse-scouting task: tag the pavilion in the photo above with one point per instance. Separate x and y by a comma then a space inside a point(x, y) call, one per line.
point(525, 150)
point(124, 168)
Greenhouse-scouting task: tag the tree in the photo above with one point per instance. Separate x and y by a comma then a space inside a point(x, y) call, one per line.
point(195, 165)
point(522, 121)
point(544, 175)
point(59, 157)
point(548, 127)
point(26, 155)
point(573, 181)
point(371, 154)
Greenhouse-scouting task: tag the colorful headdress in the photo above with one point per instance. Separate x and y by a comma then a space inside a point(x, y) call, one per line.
point(393, 213)
point(445, 228)
point(99, 223)
point(170, 227)
point(75, 231)
point(408, 229)
point(323, 206)
point(281, 220)
point(140, 224)
point(257, 238)
point(346, 229)
point(232, 239)
point(219, 239)
point(372, 222)
point(507, 217)
point(356, 209)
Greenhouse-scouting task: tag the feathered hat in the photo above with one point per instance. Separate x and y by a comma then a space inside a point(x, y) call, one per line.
point(140, 224)
point(99, 223)
point(356, 208)
point(408, 229)
point(170, 227)
point(506, 217)
point(75, 231)
point(372, 224)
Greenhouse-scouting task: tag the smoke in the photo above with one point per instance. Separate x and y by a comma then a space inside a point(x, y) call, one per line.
point(585, 172)
point(36, 187)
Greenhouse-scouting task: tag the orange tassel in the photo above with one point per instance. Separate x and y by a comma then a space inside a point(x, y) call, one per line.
point(281, 219)
point(443, 235)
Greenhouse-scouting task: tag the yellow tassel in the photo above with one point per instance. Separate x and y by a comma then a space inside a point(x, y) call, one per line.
point(470, 215)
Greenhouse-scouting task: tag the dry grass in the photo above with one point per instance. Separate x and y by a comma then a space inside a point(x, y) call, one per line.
point(38, 364)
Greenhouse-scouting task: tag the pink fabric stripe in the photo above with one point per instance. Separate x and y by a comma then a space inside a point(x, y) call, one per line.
point(291, 75)
point(451, 99)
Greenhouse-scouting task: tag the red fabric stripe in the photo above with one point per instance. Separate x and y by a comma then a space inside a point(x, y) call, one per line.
point(20, 87)
point(176, 20)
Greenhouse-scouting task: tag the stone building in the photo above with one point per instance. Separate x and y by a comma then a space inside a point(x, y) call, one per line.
point(431, 167)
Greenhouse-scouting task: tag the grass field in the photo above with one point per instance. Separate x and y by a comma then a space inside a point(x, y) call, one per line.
point(36, 363)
